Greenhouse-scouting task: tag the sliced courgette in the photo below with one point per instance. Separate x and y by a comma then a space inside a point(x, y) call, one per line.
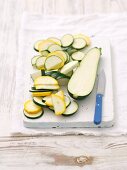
point(48, 100)
point(69, 67)
point(79, 43)
point(37, 44)
point(53, 62)
point(45, 80)
point(38, 101)
point(54, 47)
point(58, 104)
point(39, 94)
point(35, 115)
point(35, 75)
point(56, 74)
point(63, 54)
point(86, 38)
point(31, 108)
point(71, 50)
point(67, 40)
point(78, 56)
point(47, 87)
point(34, 59)
point(71, 109)
point(56, 40)
point(44, 45)
point(40, 62)
point(44, 53)
point(82, 81)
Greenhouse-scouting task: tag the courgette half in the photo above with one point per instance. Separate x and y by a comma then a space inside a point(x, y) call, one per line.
point(71, 109)
point(82, 81)
point(67, 40)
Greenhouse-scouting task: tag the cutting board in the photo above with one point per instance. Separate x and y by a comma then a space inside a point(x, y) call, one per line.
point(85, 115)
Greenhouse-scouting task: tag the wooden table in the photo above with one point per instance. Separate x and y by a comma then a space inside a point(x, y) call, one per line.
point(63, 152)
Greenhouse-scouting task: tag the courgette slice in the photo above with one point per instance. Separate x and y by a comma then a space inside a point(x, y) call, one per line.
point(79, 43)
point(47, 87)
point(34, 59)
point(82, 81)
point(40, 94)
point(54, 47)
point(67, 40)
point(69, 67)
point(44, 53)
point(56, 40)
point(44, 45)
point(58, 104)
point(86, 38)
point(45, 80)
point(56, 74)
point(37, 44)
point(78, 56)
point(31, 108)
point(35, 115)
point(40, 62)
point(48, 101)
point(71, 50)
point(63, 54)
point(67, 103)
point(38, 101)
point(71, 109)
point(35, 75)
point(53, 62)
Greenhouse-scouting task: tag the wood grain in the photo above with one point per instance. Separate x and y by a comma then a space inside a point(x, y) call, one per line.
point(65, 152)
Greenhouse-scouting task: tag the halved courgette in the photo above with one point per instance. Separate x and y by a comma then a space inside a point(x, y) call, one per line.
point(67, 40)
point(82, 81)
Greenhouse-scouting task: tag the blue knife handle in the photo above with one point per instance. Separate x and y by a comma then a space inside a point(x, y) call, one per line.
point(98, 109)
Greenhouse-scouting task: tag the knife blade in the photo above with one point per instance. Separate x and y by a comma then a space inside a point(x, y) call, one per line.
point(99, 97)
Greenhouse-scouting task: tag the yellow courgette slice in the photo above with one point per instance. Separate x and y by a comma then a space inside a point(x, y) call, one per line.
point(45, 44)
point(41, 94)
point(58, 104)
point(31, 108)
point(45, 80)
point(86, 38)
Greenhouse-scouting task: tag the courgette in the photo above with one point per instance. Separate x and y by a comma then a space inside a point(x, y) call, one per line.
point(71, 109)
point(35, 115)
point(82, 81)
point(67, 68)
point(67, 40)
point(38, 101)
point(79, 43)
point(78, 56)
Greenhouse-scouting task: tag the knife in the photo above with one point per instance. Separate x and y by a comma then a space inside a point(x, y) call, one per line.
point(99, 97)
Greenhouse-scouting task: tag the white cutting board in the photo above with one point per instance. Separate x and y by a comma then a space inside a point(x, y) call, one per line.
point(85, 114)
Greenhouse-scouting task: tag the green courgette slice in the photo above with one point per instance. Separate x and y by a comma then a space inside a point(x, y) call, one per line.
point(71, 109)
point(67, 40)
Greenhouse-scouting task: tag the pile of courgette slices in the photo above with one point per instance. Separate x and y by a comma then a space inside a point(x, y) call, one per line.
point(61, 62)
